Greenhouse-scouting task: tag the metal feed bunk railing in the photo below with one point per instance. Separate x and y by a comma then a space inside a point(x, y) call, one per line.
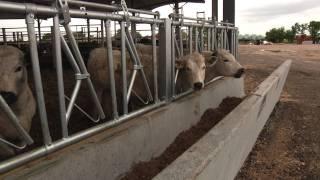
point(164, 85)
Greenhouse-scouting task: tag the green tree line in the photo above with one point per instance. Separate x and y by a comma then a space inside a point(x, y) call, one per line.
point(278, 35)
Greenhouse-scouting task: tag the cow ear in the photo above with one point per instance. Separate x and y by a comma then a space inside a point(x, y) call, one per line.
point(212, 60)
point(180, 63)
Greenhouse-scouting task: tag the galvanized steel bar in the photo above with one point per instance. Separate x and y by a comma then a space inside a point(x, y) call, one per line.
point(109, 7)
point(111, 70)
point(201, 39)
point(4, 36)
point(42, 151)
point(73, 99)
point(69, 55)
point(155, 62)
point(173, 58)
point(124, 68)
point(37, 79)
point(21, 8)
point(196, 40)
point(83, 68)
point(102, 34)
point(208, 39)
point(15, 121)
point(190, 40)
point(144, 78)
point(181, 41)
point(59, 69)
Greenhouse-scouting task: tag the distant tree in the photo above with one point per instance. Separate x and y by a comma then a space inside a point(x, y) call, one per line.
point(290, 35)
point(276, 35)
point(314, 28)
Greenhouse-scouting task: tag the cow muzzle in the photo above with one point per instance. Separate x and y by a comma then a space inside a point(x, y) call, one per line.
point(197, 85)
point(239, 73)
point(9, 97)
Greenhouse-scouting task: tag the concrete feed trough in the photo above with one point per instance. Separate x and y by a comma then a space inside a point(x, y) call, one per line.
point(112, 152)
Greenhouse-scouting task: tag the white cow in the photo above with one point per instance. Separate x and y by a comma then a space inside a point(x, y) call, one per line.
point(16, 92)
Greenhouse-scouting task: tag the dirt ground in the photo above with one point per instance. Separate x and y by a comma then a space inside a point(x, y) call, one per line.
point(289, 145)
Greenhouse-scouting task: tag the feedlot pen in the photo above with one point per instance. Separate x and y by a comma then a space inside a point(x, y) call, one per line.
point(52, 129)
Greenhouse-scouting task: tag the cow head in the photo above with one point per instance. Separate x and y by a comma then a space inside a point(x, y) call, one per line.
point(194, 67)
point(225, 64)
point(13, 73)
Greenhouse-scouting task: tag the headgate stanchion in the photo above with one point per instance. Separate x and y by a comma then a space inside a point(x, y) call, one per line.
point(59, 69)
point(181, 41)
point(111, 70)
point(15, 122)
point(124, 68)
point(155, 62)
point(201, 39)
point(165, 61)
point(174, 43)
point(209, 39)
point(190, 40)
point(4, 36)
point(102, 34)
point(37, 79)
point(196, 40)
point(83, 75)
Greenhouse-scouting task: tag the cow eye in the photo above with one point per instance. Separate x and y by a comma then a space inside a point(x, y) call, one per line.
point(226, 60)
point(188, 69)
point(18, 69)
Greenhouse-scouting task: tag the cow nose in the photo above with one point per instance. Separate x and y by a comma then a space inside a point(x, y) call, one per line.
point(197, 86)
point(239, 73)
point(9, 97)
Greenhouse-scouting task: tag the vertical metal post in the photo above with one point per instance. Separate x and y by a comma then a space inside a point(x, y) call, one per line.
point(190, 40)
point(173, 58)
point(88, 27)
point(21, 35)
point(209, 39)
point(165, 61)
point(102, 34)
point(39, 30)
point(4, 36)
point(181, 41)
point(14, 36)
point(196, 40)
point(111, 69)
point(155, 62)
point(215, 9)
point(124, 68)
point(37, 78)
point(134, 30)
point(201, 39)
point(58, 60)
point(97, 32)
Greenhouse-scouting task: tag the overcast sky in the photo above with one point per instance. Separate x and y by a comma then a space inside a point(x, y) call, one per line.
point(252, 16)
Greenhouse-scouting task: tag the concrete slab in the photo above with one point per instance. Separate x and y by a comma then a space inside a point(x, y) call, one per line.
point(110, 154)
point(221, 152)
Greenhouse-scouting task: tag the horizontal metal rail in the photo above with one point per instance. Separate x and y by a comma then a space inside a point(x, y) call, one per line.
point(22, 8)
point(43, 151)
point(109, 7)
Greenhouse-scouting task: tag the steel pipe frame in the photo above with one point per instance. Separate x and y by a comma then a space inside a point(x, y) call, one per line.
point(174, 44)
point(133, 52)
point(190, 40)
point(22, 8)
point(124, 68)
point(59, 70)
point(83, 69)
point(19, 160)
point(37, 79)
point(15, 121)
point(110, 7)
point(155, 62)
point(111, 69)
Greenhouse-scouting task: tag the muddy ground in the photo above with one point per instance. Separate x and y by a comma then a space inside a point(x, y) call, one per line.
point(289, 145)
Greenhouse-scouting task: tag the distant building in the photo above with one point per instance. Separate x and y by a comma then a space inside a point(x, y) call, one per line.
point(303, 39)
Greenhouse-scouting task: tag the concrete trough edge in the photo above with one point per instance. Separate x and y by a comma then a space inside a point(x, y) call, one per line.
point(221, 152)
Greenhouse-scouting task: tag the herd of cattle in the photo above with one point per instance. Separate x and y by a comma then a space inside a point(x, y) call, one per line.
point(194, 70)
